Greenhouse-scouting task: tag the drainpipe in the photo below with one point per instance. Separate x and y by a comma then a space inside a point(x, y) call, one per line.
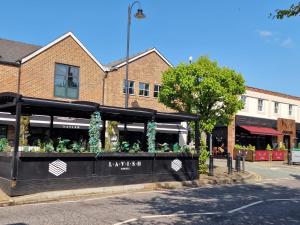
point(19, 78)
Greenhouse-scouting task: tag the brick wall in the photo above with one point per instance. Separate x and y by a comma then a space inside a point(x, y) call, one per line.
point(147, 69)
point(37, 74)
point(8, 78)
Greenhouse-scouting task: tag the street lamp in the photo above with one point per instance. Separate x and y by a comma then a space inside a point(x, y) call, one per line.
point(139, 15)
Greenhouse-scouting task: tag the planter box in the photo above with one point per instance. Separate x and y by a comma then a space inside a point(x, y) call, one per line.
point(262, 155)
point(38, 172)
point(279, 155)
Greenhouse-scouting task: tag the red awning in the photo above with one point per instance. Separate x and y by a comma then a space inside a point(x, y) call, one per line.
point(261, 130)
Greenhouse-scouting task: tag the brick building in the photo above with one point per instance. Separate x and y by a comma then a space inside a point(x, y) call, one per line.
point(65, 70)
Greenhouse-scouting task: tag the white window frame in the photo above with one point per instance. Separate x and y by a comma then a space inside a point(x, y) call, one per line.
point(276, 109)
point(291, 109)
point(144, 90)
point(154, 91)
point(129, 87)
point(260, 107)
point(244, 99)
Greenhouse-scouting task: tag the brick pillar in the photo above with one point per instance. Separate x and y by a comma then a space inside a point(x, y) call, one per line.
point(231, 137)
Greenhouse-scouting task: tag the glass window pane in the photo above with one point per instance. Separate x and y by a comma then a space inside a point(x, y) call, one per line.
point(60, 91)
point(61, 69)
point(72, 93)
point(60, 81)
point(3, 132)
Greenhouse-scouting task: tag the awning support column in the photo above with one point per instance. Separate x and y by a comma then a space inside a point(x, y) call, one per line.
point(17, 140)
point(51, 126)
point(197, 136)
point(144, 141)
point(103, 130)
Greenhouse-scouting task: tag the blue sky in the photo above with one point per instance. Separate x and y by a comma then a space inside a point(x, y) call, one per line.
point(238, 34)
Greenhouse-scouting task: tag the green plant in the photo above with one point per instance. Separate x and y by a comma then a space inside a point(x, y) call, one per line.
point(3, 144)
point(123, 146)
point(204, 88)
point(76, 147)
point(282, 146)
point(176, 148)
point(203, 145)
point(26, 149)
point(165, 147)
point(298, 146)
point(203, 157)
point(185, 148)
point(94, 133)
point(49, 147)
point(249, 148)
point(269, 148)
point(151, 133)
point(62, 145)
point(136, 147)
point(238, 147)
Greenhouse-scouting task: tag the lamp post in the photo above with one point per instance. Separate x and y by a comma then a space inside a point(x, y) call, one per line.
point(139, 15)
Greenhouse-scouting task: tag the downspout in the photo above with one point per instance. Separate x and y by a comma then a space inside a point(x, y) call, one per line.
point(103, 87)
point(19, 78)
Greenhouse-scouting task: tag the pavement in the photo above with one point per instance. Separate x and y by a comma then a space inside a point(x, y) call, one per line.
point(273, 198)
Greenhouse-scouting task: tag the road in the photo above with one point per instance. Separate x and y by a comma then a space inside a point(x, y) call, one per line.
point(275, 199)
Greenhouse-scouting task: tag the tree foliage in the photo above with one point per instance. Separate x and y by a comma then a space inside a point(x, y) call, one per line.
point(151, 133)
point(94, 133)
point(203, 88)
point(293, 10)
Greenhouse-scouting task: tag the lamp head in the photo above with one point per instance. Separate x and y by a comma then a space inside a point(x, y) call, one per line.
point(139, 14)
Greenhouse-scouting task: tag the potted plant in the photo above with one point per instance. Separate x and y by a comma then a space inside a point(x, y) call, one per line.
point(269, 148)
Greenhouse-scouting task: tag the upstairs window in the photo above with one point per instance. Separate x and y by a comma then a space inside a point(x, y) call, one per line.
point(144, 89)
point(290, 110)
point(276, 107)
point(156, 90)
point(260, 107)
point(130, 87)
point(244, 100)
point(3, 131)
point(66, 81)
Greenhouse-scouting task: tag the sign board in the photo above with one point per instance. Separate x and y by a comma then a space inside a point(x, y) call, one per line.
point(296, 156)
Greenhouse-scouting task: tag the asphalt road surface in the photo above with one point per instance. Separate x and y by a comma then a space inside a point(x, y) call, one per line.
point(275, 199)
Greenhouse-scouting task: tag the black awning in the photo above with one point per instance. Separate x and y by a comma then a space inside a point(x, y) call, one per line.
point(84, 109)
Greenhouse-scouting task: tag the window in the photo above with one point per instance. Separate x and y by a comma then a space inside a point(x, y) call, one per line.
point(143, 89)
point(3, 131)
point(244, 100)
point(276, 107)
point(66, 81)
point(156, 90)
point(130, 87)
point(260, 105)
point(290, 110)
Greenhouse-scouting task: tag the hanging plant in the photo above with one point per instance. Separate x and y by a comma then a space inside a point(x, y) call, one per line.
point(94, 133)
point(151, 133)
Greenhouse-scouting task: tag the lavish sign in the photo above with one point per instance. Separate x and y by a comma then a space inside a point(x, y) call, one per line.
point(124, 165)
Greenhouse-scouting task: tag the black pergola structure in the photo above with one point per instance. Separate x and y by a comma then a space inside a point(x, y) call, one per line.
point(24, 173)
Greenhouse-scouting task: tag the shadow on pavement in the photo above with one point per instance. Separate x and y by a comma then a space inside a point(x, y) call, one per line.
point(221, 199)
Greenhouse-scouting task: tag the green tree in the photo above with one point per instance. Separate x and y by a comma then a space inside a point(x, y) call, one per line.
point(203, 88)
point(293, 10)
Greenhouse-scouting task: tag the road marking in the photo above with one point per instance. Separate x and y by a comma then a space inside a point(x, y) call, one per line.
point(205, 213)
point(126, 221)
point(166, 215)
point(245, 206)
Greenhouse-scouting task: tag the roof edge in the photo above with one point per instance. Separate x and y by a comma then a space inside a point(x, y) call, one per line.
point(140, 56)
point(278, 94)
point(59, 39)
